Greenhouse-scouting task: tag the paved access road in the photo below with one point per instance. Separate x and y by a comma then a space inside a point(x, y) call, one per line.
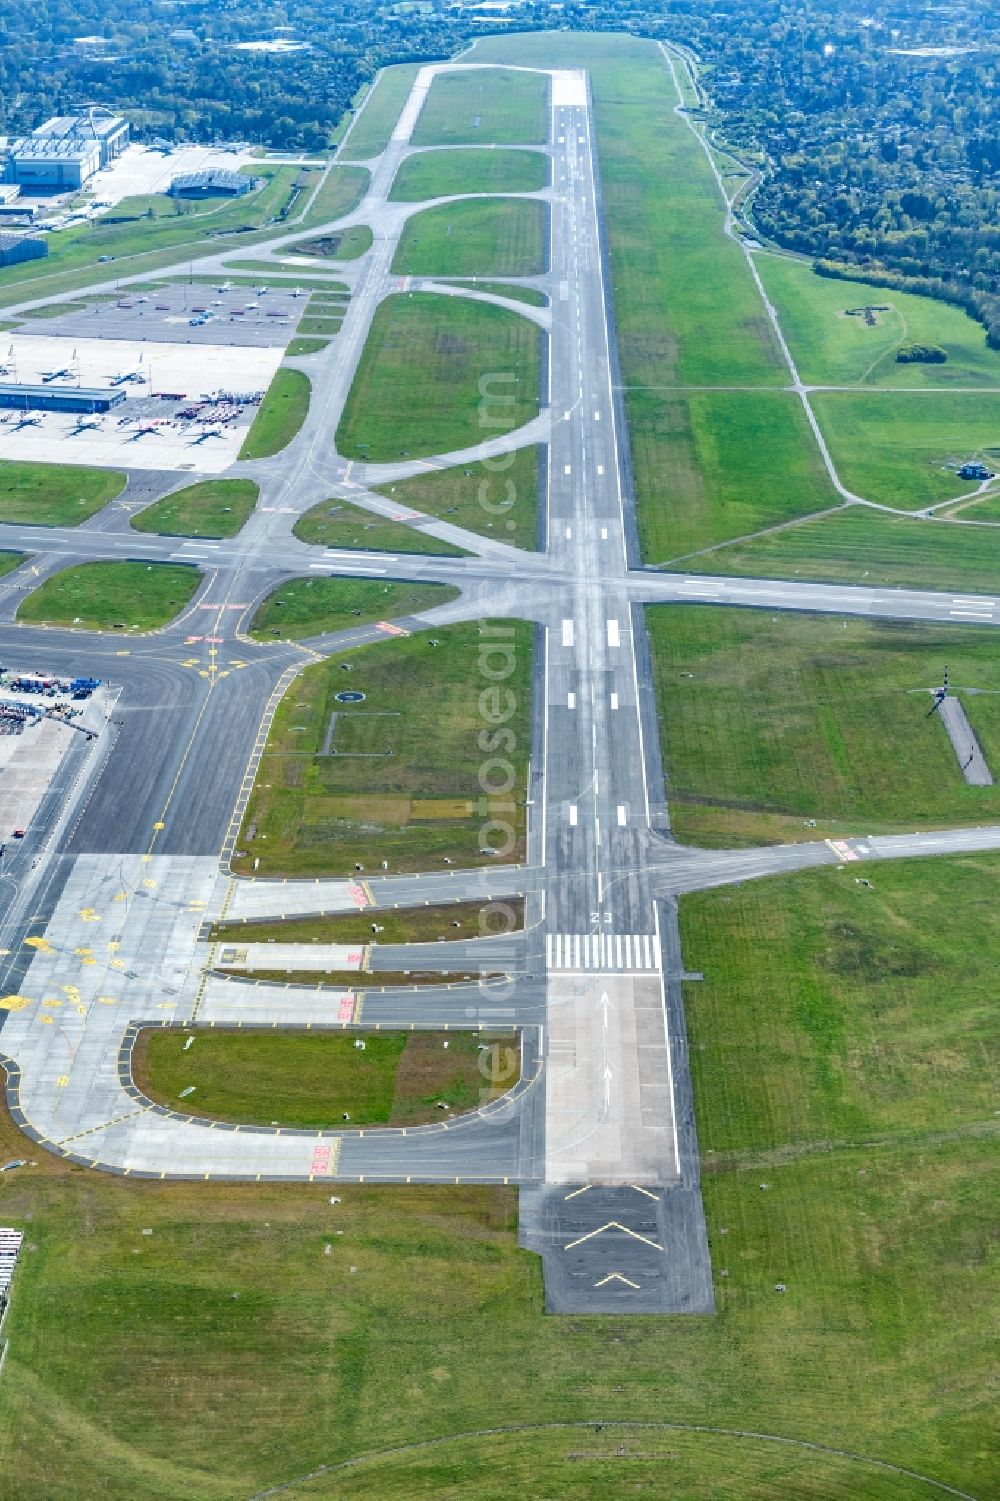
point(106, 912)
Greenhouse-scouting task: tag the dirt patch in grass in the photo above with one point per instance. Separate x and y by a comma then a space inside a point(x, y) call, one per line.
point(343, 245)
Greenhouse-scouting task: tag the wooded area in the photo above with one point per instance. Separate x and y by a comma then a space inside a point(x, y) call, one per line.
point(875, 127)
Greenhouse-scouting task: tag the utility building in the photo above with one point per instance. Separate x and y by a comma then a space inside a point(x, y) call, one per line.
point(15, 248)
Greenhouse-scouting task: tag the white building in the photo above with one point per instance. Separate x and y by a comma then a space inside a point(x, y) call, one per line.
point(66, 151)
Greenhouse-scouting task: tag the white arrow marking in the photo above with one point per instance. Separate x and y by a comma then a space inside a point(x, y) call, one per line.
point(617, 1277)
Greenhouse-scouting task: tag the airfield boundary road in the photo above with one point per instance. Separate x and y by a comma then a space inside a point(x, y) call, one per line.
point(106, 910)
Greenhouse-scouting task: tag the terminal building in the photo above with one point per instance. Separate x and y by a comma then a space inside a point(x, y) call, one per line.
point(65, 152)
point(60, 398)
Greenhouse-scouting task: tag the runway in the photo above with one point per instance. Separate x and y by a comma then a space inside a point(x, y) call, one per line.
point(600, 1130)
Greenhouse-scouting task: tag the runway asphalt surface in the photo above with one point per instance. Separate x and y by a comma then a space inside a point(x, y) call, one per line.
point(127, 861)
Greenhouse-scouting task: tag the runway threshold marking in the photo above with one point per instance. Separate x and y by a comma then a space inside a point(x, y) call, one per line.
point(842, 850)
point(617, 953)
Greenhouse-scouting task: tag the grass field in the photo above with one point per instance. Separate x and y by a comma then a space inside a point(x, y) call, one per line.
point(336, 523)
point(111, 596)
point(401, 781)
point(347, 979)
point(320, 277)
point(685, 303)
point(57, 309)
point(326, 327)
point(279, 416)
point(339, 245)
point(314, 1079)
point(495, 108)
point(848, 1041)
point(831, 349)
point(494, 497)
point(306, 346)
point(811, 717)
point(10, 560)
point(439, 174)
point(860, 546)
point(987, 509)
point(315, 606)
point(894, 448)
point(488, 237)
point(868, 1215)
point(719, 464)
point(54, 494)
point(396, 925)
point(340, 193)
point(516, 293)
point(370, 132)
point(149, 243)
point(453, 344)
point(211, 508)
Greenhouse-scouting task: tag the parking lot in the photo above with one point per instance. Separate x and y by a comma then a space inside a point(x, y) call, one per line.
point(37, 728)
point(186, 313)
